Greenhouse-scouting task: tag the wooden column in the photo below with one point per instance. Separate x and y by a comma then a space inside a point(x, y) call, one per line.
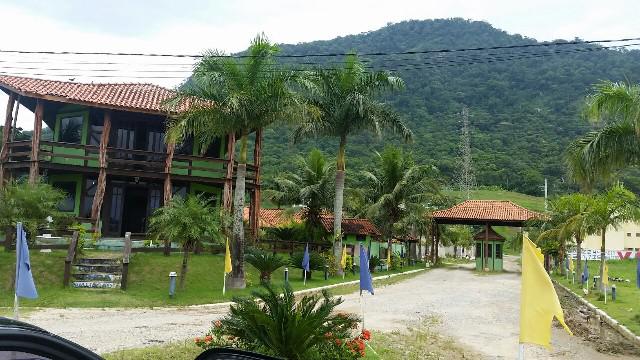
point(6, 134)
point(98, 197)
point(257, 154)
point(485, 261)
point(227, 197)
point(34, 170)
point(168, 191)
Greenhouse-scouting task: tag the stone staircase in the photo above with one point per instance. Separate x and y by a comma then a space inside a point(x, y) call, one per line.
point(97, 273)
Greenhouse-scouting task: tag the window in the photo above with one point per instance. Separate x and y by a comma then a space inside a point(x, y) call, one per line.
point(498, 251)
point(361, 237)
point(637, 234)
point(629, 234)
point(180, 190)
point(71, 129)
point(89, 192)
point(478, 250)
point(95, 131)
point(115, 215)
point(68, 204)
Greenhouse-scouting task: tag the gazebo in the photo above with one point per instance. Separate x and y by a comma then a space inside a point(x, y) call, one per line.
point(488, 213)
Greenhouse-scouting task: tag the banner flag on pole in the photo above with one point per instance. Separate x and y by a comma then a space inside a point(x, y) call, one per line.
point(538, 299)
point(227, 267)
point(305, 262)
point(25, 287)
point(389, 258)
point(343, 259)
point(571, 265)
point(585, 273)
point(638, 272)
point(366, 283)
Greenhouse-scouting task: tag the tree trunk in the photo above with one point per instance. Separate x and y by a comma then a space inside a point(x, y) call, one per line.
point(237, 280)
point(602, 257)
point(337, 205)
point(455, 251)
point(420, 248)
point(578, 254)
point(183, 272)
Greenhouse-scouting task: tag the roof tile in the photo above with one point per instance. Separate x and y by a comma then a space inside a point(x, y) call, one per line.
point(486, 210)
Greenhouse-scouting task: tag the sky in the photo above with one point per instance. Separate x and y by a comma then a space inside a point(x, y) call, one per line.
point(191, 26)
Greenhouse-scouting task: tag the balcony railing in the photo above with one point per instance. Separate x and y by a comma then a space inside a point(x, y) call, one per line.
point(121, 159)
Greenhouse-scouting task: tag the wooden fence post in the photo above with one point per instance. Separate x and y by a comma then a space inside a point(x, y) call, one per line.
point(125, 260)
point(71, 255)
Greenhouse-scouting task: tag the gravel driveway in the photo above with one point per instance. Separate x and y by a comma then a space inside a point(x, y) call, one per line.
point(479, 311)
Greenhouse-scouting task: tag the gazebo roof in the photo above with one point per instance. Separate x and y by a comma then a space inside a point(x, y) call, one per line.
point(493, 235)
point(482, 212)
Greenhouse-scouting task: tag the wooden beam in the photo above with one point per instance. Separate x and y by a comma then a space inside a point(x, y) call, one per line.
point(98, 197)
point(227, 197)
point(171, 147)
point(6, 134)
point(485, 260)
point(34, 169)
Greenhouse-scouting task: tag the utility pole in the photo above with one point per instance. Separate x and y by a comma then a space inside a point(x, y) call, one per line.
point(466, 178)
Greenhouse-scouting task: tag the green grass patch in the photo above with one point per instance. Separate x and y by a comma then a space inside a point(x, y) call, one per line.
point(185, 350)
point(148, 282)
point(626, 308)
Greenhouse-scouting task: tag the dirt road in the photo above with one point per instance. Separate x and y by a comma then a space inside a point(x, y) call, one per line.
point(479, 311)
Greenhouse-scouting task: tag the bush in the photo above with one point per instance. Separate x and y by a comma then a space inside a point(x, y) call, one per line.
point(349, 263)
point(330, 260)
point(274, 323)
point(374, 262)
point(265, 262)
point(395, 261)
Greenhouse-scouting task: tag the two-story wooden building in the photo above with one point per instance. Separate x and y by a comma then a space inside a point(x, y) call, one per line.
point(108, 152)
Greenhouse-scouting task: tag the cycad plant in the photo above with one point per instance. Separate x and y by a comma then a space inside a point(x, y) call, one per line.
point(186, 221)
point(265, 262)
point(276, 323)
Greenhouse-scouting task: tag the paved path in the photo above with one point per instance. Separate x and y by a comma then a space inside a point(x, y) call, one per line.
point(479, 311)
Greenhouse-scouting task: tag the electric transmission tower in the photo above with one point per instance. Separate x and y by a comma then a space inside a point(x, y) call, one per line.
point(466, 178)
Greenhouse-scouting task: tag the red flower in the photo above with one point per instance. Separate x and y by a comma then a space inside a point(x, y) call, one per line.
point(328, 335)
point(218, 323)
point(197, 340)
point(366, 334)
point(338, 342)
point(208, 338)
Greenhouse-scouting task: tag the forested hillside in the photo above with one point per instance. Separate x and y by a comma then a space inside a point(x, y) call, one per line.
point(523, 112)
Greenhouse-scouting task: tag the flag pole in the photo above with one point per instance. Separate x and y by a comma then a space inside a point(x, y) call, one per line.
point(224, 283)
point(304, 271)
point(16, 302)
point(521, 352)
point(605, 294)
point(362, 309)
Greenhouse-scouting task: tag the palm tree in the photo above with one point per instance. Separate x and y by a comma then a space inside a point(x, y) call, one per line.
point(396, 187)
point(617, 144)
point(187, 221)
point(346, 98)
point(611, 208)
point(240, 94)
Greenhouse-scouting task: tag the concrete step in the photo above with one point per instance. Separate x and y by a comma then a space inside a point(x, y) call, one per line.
point(96, 284)
point(95, 276)
point(98, 261)
point(98, 268)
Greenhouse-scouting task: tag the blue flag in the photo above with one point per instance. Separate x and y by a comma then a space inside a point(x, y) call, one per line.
point(585, 272)
point(365, 276)
point(305, 259)
point(24, 280)
point(638, 270)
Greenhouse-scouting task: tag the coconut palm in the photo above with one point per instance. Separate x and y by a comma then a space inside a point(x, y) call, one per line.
point(346, 98)
point(611, 208)
point(617, 144)
point(186, 221)
point(239, 95)
point(396, 187)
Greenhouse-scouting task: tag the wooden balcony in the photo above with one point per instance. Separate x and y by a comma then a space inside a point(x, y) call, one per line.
point(127, 162)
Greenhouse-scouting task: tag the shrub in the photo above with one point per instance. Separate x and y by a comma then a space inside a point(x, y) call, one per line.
point(395, 261)
point(349, 263)
point(275, 323)
point(330, 260)
point(374, 262)
point(265, 262)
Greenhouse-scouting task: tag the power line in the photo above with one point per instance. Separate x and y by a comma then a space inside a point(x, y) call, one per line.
point(104, 53)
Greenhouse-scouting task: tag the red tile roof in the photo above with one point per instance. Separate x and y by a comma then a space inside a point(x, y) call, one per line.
point(351, 226)
point(275, 217)
point(486, 210)
point(147, 98)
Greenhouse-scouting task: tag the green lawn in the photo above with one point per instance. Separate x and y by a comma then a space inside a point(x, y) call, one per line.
point(148, 282)
point(530, 202)
point(626, 308)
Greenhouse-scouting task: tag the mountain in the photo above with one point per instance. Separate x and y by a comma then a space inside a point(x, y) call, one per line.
point(523, 112)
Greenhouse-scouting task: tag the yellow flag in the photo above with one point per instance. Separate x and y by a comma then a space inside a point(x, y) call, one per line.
point(571, 266)
point(538, 299)
point(389, 256)
point(343, 260)
point(227, 259)
point(605, 274)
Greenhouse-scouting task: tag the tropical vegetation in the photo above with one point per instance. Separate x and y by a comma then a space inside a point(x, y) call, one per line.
point(265, 262)
point(188, 221)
